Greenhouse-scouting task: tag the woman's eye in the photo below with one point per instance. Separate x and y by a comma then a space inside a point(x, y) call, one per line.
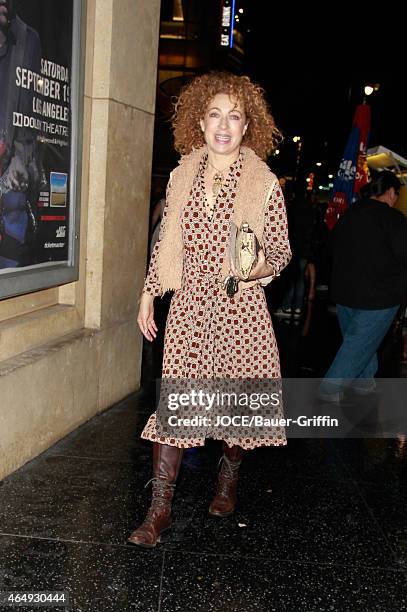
point(235, 117)
point(213, 114)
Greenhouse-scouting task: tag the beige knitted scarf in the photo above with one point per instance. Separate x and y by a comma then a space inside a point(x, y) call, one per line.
point(255, 185)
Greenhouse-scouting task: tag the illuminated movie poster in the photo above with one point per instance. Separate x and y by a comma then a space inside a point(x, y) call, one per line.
point(35, 131)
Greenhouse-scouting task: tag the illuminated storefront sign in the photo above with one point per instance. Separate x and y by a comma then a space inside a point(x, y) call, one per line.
point(228, 11)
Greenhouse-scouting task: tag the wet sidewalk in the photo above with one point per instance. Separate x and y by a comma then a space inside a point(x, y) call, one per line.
point(320, 525)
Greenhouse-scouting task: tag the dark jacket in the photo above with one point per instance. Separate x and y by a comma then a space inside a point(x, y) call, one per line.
point(370, 257)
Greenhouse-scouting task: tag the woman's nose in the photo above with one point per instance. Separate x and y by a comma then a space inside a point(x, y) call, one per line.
point(224, 122)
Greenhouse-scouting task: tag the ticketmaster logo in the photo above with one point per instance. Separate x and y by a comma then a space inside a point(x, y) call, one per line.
point(54, 245)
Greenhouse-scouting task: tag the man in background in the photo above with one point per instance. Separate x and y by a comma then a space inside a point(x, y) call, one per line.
point(369, 282)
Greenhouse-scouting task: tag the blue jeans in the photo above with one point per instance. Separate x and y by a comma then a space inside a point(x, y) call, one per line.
point(362, 333)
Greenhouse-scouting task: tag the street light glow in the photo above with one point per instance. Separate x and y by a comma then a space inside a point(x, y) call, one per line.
point(241, 11)
point(371, 88)
point(296, 138)
point(319, 164)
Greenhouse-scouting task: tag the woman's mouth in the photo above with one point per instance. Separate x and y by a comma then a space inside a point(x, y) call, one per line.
point(222, 138)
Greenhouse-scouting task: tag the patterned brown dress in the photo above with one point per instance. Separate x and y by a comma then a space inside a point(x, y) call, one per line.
point(208, 334)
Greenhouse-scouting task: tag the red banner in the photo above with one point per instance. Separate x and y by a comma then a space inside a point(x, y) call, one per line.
point(353, 171)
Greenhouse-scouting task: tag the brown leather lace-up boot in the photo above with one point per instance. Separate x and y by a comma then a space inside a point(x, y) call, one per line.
point(224, 502)
point(166, 464)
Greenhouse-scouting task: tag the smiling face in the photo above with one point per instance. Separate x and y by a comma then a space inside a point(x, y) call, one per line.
point(224, 125)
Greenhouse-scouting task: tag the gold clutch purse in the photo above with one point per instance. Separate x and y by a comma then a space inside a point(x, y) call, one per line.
point(246, 250)
point(243, 249)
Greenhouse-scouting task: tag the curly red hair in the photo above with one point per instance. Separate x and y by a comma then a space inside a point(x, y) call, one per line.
point(262, 134)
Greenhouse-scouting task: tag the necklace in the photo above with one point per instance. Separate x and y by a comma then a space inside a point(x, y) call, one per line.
point(217, 183)
point(218, 179)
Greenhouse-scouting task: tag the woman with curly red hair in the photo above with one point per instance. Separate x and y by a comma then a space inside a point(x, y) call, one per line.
point(223, 129)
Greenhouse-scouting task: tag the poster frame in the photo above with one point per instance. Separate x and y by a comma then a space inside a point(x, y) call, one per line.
point(19, 281)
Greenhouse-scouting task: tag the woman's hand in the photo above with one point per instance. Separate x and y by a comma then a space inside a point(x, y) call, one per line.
point(145, 317)
point(260, 270)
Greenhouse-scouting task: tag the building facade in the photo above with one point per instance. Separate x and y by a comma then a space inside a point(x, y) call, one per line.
point(70, 351)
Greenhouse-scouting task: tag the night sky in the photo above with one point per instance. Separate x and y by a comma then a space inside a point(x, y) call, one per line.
point(314, 65)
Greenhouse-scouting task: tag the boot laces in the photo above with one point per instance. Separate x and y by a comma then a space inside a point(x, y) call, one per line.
point(228, 473)
point(159, 498)
point(229, 469)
